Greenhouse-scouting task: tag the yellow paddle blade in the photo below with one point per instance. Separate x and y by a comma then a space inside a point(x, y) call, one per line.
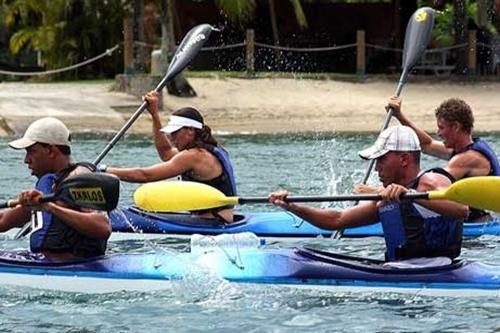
point(476, 192)
point(177, 196)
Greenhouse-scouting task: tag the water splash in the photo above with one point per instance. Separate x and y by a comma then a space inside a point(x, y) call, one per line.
point(196, 283)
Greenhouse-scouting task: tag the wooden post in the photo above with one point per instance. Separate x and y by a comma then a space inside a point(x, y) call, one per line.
point(250, 48)
point(128, 45)
point(360, 52)
point(472, 54)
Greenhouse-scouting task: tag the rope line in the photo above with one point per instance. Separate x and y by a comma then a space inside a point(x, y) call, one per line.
point(223, 47)
point(383, 48)
point(448, 48)
point(108, 52)
point(311, 49)
point(143, 44)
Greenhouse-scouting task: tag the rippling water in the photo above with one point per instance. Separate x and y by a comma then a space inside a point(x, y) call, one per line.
point(304, 164)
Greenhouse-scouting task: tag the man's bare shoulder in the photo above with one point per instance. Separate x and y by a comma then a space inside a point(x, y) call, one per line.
point(80, 169)
point(469, 163)
point(430, 181)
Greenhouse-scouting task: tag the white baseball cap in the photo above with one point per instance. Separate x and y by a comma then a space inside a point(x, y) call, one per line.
point(45, 130)
point(185, 117)
point(395, 138)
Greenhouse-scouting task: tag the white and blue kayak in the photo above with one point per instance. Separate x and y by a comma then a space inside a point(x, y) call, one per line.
point(297, 268)
point(275, 225)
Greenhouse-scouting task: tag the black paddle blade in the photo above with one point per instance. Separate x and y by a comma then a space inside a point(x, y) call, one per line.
point(418, 35)
point(97, 191)
point(186, 51)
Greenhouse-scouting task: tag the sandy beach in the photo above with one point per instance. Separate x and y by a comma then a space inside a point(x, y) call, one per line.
point(247, 105)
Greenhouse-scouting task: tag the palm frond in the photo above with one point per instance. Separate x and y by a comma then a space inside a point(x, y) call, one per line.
point(299, 13)
point(20, 39)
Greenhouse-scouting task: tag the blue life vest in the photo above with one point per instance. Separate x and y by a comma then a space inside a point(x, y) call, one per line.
point(41, 221)
point(412, 231)
point(49, 233)
point(226, 182)
point(484, 148)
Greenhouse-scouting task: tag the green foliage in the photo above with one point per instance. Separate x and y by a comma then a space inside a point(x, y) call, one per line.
point(237, 10)
point(41, 25)
point(443, 32)
point(299, 13)
point(66, 32)
point(244, 10)
point(349, 1)
point(443, 28)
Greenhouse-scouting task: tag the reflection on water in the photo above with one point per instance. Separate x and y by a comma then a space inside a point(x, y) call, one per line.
point(321, 164)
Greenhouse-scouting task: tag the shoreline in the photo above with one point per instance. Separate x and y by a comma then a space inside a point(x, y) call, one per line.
point(238, 106)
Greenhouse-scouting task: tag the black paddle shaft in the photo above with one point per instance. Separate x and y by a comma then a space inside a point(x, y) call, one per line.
point(334, 198)
point(187, 50)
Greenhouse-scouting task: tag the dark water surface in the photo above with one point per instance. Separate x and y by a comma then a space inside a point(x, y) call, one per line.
point(318, 164)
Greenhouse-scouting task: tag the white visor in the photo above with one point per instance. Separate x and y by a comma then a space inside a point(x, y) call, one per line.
point(176, 123)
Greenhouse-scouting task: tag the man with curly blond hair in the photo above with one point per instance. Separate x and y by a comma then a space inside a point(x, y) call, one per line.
point(467, 156)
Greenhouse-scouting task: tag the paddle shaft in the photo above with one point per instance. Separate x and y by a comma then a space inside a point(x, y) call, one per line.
point(416, 41)
point(122, 131)
point(387, 120)
point(97, 191)
point(334, 198)
point(137, 113)
point(189, 47)
point(177, 196)
point(14, 202)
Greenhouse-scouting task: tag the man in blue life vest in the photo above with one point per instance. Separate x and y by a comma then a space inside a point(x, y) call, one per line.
point(57, 231)
point(466, 156)
point(412, 229)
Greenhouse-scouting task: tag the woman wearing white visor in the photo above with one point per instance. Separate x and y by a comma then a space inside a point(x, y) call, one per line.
point(188, 149)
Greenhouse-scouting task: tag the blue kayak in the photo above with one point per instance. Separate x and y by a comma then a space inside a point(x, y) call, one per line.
point(289, 267)
point(264, 224)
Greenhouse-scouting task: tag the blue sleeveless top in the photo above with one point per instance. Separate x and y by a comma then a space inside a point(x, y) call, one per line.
point(226, 182)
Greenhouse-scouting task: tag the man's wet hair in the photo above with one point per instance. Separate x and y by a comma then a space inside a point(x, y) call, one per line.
point(455, 109)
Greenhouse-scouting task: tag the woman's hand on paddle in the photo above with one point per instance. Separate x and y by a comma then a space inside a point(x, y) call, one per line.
point(152, 99)
point(278, 198)
point(395, 104)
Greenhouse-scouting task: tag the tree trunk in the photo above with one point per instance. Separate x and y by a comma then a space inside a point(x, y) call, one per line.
point(397, 30)
point(128, 45)
point(140, 56)
point(167, 35)
point(274, 25)
point(482, 13)
point(179, 86)
point(460, 32)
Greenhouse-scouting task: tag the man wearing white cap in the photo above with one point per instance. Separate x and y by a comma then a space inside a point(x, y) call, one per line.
point(411, 229)
point(188, 149)
point(59, 232)
point(467, 156)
